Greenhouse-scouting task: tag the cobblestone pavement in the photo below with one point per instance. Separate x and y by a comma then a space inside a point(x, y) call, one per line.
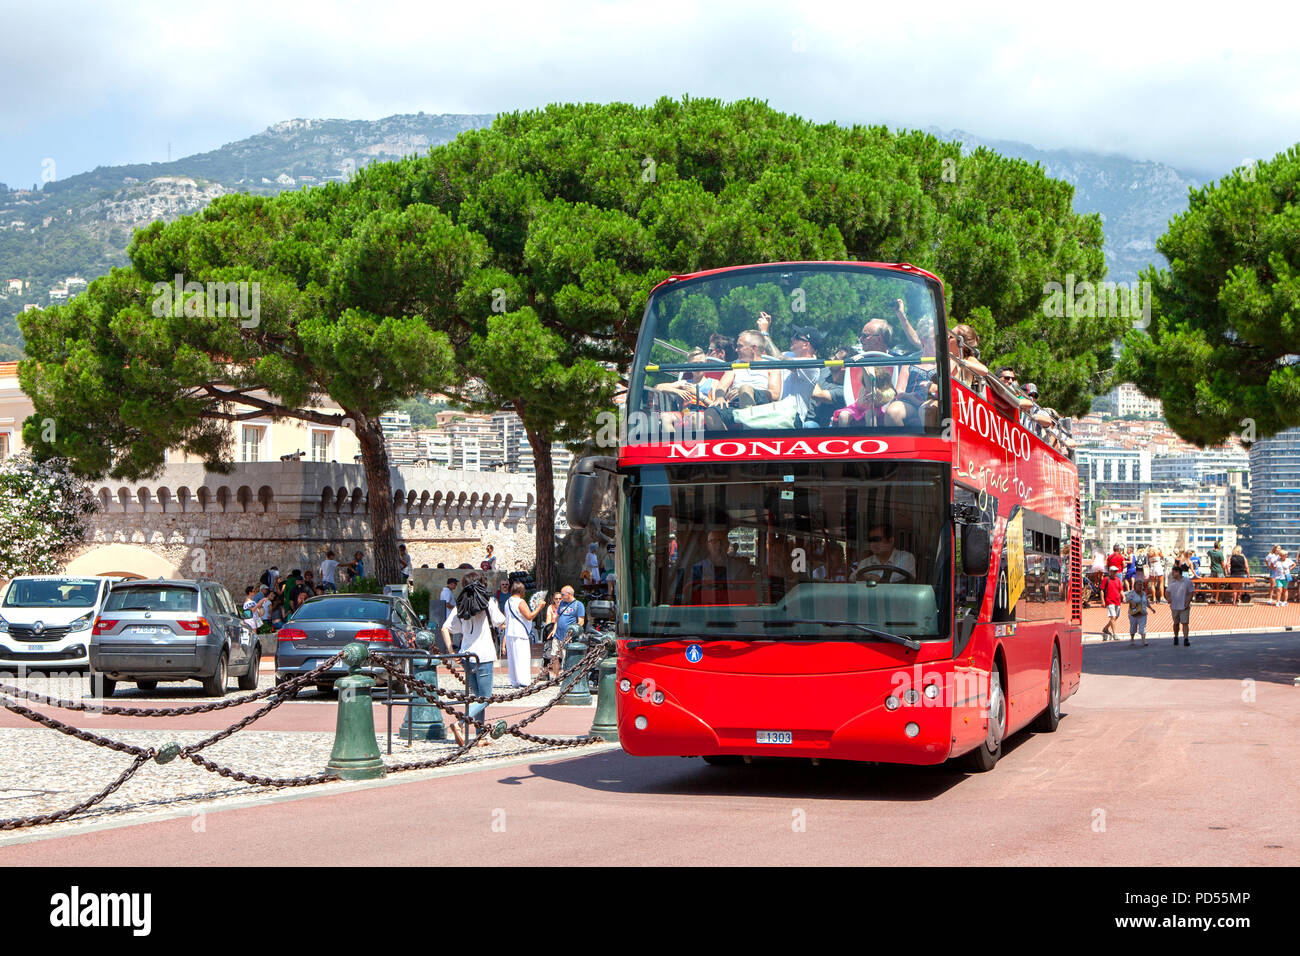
point(43, 771)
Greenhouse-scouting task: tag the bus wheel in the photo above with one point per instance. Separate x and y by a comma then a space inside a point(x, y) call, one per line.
point(985, 757)
point(1050, 718)
point(722, 760)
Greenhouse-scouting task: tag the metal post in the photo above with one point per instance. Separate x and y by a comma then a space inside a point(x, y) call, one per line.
point(606, 723)
point(574, 692)
point(423, 719)
point(356, 752)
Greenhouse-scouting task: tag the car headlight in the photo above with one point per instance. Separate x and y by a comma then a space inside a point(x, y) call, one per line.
point(81, 623)
point(4, 626)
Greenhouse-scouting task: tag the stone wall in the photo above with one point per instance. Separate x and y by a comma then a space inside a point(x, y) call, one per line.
point(232, 527)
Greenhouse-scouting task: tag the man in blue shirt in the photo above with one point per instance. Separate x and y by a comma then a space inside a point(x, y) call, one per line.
point(571, 612)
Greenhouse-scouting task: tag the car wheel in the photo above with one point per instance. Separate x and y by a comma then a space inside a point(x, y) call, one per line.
point(215, 686)
point(249, 680)
point(985, 757)
point(101, 685)
point(1050, 718)
point(147, 684)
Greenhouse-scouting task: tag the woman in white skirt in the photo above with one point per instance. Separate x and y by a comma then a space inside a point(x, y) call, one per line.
point(519, 619)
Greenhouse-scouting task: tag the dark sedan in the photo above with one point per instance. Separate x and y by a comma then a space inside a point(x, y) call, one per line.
point(324, 625)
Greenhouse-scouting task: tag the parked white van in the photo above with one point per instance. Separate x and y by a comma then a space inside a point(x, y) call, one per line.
point(46, 619)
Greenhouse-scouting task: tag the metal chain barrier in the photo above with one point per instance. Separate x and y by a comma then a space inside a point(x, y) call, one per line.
point(15, 823)
point(278, 694)
point(432, 695)
point(275, 696)
point(295, 683)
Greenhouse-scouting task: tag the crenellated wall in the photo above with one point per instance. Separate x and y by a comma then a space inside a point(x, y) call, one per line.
point(191, 523)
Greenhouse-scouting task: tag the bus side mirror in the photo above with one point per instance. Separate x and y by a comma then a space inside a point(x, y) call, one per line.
point(975, 550)
point(580, 494)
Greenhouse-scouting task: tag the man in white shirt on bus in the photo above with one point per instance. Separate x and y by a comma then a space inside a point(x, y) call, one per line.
point(880, 539)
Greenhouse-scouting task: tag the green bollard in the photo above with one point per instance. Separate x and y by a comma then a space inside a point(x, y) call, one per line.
point(356, 752)
point(424, 720)
point(606, 723)
point(574, 691)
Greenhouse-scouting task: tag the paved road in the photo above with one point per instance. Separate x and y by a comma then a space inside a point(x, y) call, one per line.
point(1167, 756)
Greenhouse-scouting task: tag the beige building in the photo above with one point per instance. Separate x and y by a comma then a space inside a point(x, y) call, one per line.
point(14, 408)
point(256, 440)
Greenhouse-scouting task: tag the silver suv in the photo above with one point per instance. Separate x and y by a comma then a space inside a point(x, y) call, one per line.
point(149, 631)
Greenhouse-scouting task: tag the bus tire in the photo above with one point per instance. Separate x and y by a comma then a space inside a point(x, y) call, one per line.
point(985, 757)
point(1050, 718)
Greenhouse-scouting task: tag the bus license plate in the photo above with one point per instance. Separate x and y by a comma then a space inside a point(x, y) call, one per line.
point(775, 737)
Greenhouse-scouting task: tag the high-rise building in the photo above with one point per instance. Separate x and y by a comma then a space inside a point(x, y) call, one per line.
point(1275, 493)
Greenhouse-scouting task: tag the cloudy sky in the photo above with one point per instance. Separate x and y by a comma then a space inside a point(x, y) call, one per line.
point(102, 84)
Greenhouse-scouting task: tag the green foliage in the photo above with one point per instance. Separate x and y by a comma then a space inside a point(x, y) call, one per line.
point(585, 207)
point(1221, 350)
point(420, 598)
point(43, 514)
point(362, 586)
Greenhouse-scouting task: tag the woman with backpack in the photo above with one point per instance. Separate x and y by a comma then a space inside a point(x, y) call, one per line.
point(475, 618)
point(519, 622)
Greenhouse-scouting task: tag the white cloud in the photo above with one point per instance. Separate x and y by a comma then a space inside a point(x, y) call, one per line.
point(1199, 89)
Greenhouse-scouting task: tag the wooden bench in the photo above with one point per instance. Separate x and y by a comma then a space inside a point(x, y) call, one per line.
point(1225, 590)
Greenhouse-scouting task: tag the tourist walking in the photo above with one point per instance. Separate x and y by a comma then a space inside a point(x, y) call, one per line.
point(1156, 574)
point(1238, 567)
point(1113, 596)
point(519, 622)
point(1282, 566)
point(447, 600)
point(550, 639)
point(1180, 602)
point(329, 573)
point(1137, 601)
point(475, 618)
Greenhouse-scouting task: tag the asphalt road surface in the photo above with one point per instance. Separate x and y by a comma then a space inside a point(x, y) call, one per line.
point(1167, 756)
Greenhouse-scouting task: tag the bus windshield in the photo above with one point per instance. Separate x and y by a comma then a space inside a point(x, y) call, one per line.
point(747, 350)
point(786, 550)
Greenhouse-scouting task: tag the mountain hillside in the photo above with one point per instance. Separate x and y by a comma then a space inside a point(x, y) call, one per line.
point(78, 228)
point(1136, 198)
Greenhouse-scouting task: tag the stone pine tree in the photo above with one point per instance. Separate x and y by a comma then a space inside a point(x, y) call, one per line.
point(128, 369)
point(1223, 349)
point(583, 208)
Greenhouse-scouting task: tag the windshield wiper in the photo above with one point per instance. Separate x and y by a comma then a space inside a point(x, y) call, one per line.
point(874, 631)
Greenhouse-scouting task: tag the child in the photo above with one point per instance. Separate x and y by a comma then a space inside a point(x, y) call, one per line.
point(1137, 611)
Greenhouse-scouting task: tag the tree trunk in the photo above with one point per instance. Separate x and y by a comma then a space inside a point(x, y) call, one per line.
point(385, 564)
point(545, 476)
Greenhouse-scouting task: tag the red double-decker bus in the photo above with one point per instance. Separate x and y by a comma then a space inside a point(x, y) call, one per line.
point(835, 539)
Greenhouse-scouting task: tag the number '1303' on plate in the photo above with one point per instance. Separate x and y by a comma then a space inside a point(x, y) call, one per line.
point(774, 737)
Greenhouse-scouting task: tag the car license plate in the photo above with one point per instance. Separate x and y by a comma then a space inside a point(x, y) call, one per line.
point(145, 630)
point(775, 737)
point(33, 647)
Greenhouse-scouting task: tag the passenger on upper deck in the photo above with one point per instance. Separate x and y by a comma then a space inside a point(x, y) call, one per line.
point(963, 344)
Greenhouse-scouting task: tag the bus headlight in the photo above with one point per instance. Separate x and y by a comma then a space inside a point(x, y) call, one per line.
point(912, 729)
point(641, 722)
point(891, 702)
point(658, 697)
point(912, 695)
point(625, 685)
point(932, 691)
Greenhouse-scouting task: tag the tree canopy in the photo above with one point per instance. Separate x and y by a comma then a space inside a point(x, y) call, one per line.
point(1223, 349)
point(519, 259)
